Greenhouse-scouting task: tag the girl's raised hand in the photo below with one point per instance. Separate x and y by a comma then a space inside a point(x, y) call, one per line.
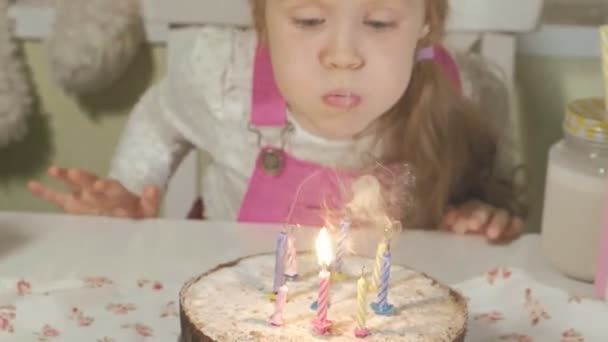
point(91, 195)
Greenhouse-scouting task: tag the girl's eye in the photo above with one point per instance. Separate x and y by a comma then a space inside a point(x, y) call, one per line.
point(308, 22)
point(380, 25)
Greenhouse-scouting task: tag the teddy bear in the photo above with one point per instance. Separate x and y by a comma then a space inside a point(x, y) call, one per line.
point(90, 45)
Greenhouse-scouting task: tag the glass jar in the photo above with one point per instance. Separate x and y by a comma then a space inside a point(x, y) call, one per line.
point(575, 191)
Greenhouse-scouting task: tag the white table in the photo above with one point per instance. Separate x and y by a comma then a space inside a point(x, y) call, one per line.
point(57, 251)
point(55, 246)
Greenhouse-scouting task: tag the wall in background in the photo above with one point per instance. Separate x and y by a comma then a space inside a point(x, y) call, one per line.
point(70, 132)
point(546, 85)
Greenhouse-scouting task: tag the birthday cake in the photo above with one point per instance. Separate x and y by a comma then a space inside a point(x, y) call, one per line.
point(231, 303)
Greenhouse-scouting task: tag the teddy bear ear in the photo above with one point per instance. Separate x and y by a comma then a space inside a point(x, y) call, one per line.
point(92, 43)
point(16, 100)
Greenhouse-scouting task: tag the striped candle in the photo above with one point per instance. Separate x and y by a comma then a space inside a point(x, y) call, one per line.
point(604, 48)
point(323, 295)
point(384, 281)
point(277, 317)
point(279, 263)
point(381, 306)
point(361, 330)
point(291, 268)
point(341, 245)
point(382, 247)
point(321, 324)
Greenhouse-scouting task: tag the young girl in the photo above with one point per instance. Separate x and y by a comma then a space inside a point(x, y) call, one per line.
point(320, 88)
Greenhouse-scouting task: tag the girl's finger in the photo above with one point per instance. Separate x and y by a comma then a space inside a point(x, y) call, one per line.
point(120, 212)
point(80, 178)
point(76, 179)
point(514, 229)
point(150, 200)
point(48, 194)
point(94, 199)
point(111, 188)
point(498, 225)
point(77, 206)
point(460, 226)
point(449, 219)
point(479, 216)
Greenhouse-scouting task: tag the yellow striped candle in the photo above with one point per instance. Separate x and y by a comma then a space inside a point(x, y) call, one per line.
point(604, 48)
point(375, 284)
point(361, 330)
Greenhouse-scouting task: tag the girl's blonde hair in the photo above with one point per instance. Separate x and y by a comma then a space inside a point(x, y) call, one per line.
point(442, 135)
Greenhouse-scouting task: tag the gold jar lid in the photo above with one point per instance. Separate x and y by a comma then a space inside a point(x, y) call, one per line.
point(587, 119)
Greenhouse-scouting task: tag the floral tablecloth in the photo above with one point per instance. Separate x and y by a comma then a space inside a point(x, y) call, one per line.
point(93, 308)
point(507, 305)
point(504, 304)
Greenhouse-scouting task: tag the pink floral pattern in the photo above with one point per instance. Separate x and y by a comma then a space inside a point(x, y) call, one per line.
point(140, 329)
point(24, 287)
point(47, 333)
point(496, 274)
point(154, 285)
point(121, 308)
point(535, 309)
point(572, 335)
point(97, 282)
point(77, 315)
point(490, 317)
point(7, 314)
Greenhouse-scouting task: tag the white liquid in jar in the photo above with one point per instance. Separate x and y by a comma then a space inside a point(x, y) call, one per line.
point(572, 220)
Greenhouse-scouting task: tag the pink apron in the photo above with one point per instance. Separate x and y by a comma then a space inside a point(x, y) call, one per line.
point(282, 188)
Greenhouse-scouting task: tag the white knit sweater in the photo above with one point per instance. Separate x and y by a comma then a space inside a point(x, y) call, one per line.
point(204, 103)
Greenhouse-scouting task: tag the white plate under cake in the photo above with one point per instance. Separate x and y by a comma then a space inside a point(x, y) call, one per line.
point(231, 303)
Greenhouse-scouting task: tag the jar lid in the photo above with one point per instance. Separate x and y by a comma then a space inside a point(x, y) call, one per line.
point(585, 119)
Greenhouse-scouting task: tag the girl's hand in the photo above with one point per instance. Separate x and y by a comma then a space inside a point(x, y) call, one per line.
point(475, 217)
point(91, 195)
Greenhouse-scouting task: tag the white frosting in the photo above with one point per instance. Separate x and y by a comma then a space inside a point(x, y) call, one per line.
point(232, 304)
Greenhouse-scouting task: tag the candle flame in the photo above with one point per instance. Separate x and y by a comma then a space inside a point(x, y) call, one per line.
point(323, 245)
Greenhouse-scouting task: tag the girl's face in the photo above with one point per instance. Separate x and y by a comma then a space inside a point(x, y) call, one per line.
point(341, 64)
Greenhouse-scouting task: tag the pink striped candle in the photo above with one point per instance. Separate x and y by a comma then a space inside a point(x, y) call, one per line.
point(277, 317)
point(323, 301)
point(291, 267)
point(321, 325)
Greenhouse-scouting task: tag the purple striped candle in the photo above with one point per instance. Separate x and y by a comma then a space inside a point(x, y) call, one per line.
point(279, 263)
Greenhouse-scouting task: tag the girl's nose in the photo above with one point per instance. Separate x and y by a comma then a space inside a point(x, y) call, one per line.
point(342, 52)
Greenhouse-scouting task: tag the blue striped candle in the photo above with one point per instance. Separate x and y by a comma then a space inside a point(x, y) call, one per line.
point(381, 306)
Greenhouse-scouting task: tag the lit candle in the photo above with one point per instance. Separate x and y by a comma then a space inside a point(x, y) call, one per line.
point(291, 269)
point(381, 306)
point(277, 317)
point(279, 263)
point(361, 330)
point(341, 245)
point(321, 324)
